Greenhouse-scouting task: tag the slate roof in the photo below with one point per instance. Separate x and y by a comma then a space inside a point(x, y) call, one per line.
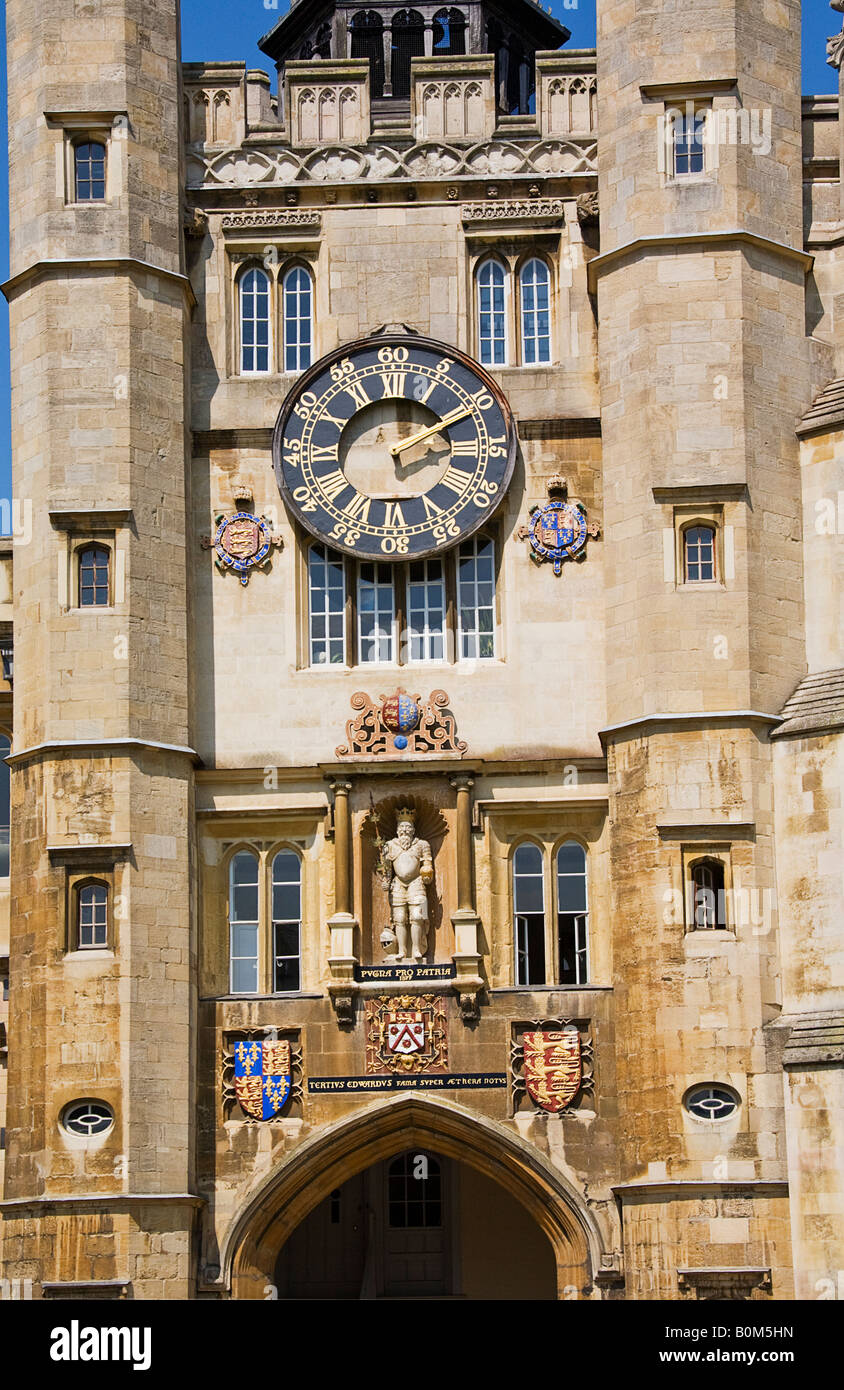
point(817, 706)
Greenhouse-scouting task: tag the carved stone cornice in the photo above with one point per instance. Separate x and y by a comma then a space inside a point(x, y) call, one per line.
point(272, 219)
point(536, 211)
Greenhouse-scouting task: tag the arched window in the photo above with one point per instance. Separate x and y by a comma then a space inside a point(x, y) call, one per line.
point(91, 916)
point(367, 29)
point(327, 609)
point(89, 165)
point(572, 914)
point(94, 576)
point(449, 32)
point(287, 921)
point(243, 923)
point(5, 805)
point(529, 911)
point(255, 340)
point(408, 43)
point(708, 896)
point(491, 293)
point(699, 554)
point(535, 297)
point(414, 1192)
point(297, 301)
point(476, 598)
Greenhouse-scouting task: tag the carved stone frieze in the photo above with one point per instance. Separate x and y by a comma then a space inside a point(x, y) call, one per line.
point(533, 210)
point(237, 168)
point(271, 219)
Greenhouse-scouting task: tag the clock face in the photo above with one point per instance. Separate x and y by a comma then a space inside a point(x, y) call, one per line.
point(394, 447)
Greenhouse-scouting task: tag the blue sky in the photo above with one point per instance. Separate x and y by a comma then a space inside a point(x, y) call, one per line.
point(229, 29)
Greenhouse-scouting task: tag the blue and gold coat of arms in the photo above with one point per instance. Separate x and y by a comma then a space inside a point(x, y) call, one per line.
point(559, 530)
point(262, 1077)
point(243, 541)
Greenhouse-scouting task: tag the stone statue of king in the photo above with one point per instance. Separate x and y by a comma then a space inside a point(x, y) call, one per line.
point(406, 870)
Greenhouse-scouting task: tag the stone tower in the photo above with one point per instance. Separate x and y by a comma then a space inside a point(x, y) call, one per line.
point(102, 775)
point(700, 289)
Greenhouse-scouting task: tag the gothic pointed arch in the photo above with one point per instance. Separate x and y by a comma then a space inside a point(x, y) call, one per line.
point(276, 1206)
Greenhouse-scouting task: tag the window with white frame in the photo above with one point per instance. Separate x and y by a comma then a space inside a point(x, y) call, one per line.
point(434, 610)
point(298, 318)
point(529, 914)
point(255, 322)
point(688, 130)
point(572, 914)
point(287, 921)
point(327, 612)
point(492, 293)
point(376, 604)
point(699, 555)
point(476, 598)
point(89, 171)
point(244, 945)
point(535, 309)
point(91, 916)
point(550, 947)
point(426, 611)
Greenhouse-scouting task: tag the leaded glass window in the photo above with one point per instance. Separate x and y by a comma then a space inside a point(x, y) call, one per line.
point(376, 613)
point(93, 577)
point(535, 288)
point(491, 282)
point(529, 911)
point(243, 922)
point(476, 598)
point(255, 339)
point(287, 921)
point(426, 611)
point(297, 298)
point(327, 590)
point(89, 171)
point(699, 554)
point(92, 927)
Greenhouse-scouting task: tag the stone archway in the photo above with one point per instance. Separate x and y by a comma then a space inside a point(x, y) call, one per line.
point(329, 1158)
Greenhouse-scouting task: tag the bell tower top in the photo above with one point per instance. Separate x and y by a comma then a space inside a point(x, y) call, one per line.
point(390, 36)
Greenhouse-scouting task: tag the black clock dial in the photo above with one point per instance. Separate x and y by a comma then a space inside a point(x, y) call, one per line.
point(394, 447)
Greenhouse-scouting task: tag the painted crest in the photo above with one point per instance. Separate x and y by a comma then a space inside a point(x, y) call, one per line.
point(242, 541)
point(406, 1033)
point(400, 714)
point(262, 1077)
point(559, 530)
point(553, 1068)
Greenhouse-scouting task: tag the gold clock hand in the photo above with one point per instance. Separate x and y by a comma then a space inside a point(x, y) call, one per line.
point(451, 419)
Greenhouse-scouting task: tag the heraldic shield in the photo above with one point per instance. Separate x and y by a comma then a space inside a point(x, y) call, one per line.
point(553, 1069)
point(262, 1076)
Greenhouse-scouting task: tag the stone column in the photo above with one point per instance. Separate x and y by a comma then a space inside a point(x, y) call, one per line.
point(342, 924)
point(429, 39)
point(467, 958)
point(388, 61)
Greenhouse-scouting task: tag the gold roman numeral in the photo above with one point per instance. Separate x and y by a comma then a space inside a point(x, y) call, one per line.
point(456, 480)
point(395, 515)
point(357, 393)
point(394, 383)
point(466, 448)
point(358, 508)
point(431, 508)
point(333, 484)
point(319, 454)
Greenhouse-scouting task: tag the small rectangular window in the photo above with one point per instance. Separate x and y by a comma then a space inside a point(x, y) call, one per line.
point(529, 912)
point(689, 138)
point(287, 921)
point(89, 171)
point(92, 916)
point(243, 923)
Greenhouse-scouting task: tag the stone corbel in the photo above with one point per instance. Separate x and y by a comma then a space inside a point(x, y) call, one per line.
point(467, 982)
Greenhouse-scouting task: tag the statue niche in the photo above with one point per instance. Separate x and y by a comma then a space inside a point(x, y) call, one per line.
point(402, 838)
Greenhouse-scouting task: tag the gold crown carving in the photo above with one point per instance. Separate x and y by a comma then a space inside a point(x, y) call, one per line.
point(242, 494)
point(557, 485)
point(406, 813)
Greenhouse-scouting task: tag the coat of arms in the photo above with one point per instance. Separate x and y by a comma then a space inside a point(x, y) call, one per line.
point(243, 541)
point(262, 1077)
point(552, 1069)
point(406, 1033)
point(559, 530)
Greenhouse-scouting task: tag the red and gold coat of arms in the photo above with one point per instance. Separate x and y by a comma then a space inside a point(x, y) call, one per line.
point(553, 1068)
point(406, 1033)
